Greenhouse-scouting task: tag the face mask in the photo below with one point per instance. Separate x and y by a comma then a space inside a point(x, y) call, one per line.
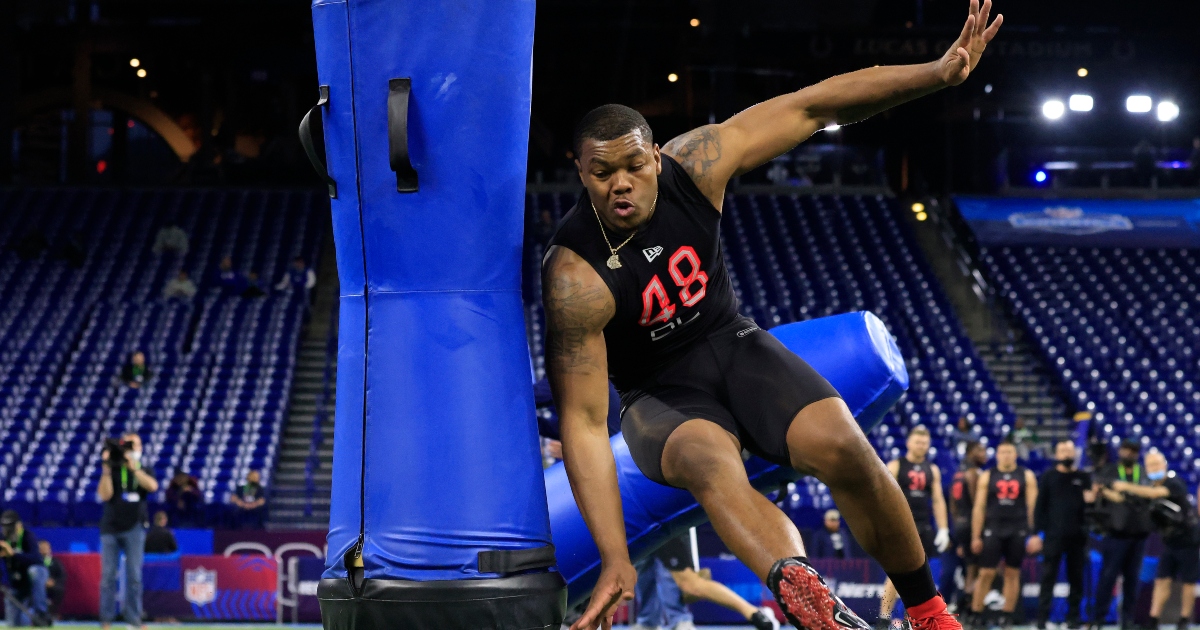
point(135, 456)
point(1157, 476)
point(1066, 462)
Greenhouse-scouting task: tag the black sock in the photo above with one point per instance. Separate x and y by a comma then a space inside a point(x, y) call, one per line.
point(915, 587)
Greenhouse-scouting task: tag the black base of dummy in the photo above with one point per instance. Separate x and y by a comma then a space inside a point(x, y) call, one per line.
point(534, 601)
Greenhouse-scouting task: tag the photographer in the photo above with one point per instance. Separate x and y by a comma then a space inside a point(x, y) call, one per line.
point(1176, 519)
point(26, 574)
point(1124, 541)
point(123, 489)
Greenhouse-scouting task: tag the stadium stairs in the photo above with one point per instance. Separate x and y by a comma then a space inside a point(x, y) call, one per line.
point(305, 457)
point(1026, 381)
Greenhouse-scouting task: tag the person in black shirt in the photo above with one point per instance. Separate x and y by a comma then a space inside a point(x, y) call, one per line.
point(160, 539)
point(134, 373)
point(636, 291)
point(962, 508)
point(921, 482)
point(250, 502)
point(26, 573)
point(1124, 541)
point(123, 489)
point(56, 581)
point(832, 540)
point(1063, 493)
point(1000, 528)
point(1181, 537)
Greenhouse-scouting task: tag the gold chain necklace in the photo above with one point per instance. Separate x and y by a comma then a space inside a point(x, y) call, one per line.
point(614, 261)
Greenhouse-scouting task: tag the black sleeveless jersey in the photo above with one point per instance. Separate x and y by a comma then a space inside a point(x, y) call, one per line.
point(671, 290)
point(916, 480)
point(1006, 500)
point(962, 496)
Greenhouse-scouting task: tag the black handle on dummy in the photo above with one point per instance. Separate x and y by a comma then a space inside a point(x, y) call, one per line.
point(306, 139)
point(406, 175)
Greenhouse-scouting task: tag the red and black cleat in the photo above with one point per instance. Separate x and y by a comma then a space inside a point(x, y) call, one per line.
point(806, 601)
point(932, 615)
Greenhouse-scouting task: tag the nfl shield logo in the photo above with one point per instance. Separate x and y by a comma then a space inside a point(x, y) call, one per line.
point(200, 586)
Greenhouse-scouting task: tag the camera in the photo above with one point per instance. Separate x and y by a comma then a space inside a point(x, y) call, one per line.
point(116, 448)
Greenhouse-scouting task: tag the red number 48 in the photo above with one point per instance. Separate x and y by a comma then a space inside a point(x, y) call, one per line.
point(655, 294)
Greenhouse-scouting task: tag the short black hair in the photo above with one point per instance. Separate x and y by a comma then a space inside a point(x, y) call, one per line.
point(1007, 441)
point(609, 122)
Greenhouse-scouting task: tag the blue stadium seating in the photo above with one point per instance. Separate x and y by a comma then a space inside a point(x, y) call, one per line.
point(1121, 327)
point(796, 257)
point(220, 367)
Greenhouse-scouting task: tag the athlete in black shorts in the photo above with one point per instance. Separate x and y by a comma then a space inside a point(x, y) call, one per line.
point(635, 290)
point(921, 482)
point(962, 504)
point(1002, 528)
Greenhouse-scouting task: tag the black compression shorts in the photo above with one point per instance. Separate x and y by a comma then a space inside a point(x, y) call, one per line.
point(742, 378)
point(1179, 564)
point(676, 555)
point(962, 539)
point(1004, 543)
point(927, 537)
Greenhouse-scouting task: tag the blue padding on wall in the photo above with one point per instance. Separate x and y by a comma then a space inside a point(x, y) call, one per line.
point(853, 351)
point(436, 453)
point(195, 542)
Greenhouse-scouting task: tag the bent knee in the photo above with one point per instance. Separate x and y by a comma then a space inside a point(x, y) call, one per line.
point(687, 581)
point(699, 453)
point(834, 448)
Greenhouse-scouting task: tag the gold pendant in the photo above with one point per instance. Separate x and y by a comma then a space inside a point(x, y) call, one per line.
point(614, 262)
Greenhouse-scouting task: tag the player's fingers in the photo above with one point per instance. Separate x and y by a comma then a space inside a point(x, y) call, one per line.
point(968, 28)
point(984, 13)
point(587, 621)
point(974, 7)
point(994, 28)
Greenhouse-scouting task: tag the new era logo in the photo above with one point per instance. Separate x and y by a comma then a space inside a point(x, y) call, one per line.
point(652, 253)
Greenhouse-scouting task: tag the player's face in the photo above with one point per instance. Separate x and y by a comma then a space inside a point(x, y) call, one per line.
point(918, 445)
point(621, 177)
point(1156, 463)
point(1064, 451)
point(1006, 456)
point(978, 455)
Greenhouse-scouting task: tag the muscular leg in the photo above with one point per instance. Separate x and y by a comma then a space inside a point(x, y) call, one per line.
point(983, 584)
point(692, 585)
point(1012, 588)
point(706, 460)
point(1162, 592)
point(825, 441)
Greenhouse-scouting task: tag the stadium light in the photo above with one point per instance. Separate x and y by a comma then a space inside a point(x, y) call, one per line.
point(695, 22)
point(1082, 72)
point(1167, 111)
point(918, 207)
point(1053, 109)
point(1080, 103)
point(921, 216)
point(1039, 177)
point(135, 62)
point(672, 77)
point(1138, 104)
point(141, 73)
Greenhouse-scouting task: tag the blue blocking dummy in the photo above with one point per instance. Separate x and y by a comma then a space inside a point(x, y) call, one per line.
point(854, 352)
point(438, 515)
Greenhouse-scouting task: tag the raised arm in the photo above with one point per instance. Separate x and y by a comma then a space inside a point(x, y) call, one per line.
point(578, 305)
point(713, 154)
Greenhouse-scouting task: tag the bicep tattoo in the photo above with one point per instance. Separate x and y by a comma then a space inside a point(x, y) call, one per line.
point(697, 151)
point(574, 311)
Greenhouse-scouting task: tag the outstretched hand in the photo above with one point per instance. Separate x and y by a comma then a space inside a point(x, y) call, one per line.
point(615, 585)
point(958, 62)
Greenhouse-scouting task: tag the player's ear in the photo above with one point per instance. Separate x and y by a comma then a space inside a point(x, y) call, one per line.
point(657, 160)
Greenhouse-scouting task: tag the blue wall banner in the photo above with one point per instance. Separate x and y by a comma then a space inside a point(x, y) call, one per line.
point(1083, 222)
